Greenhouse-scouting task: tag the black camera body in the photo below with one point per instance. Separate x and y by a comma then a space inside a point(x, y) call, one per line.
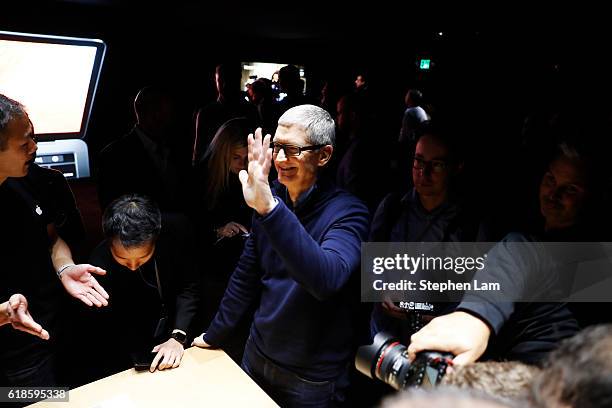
point(387, 359)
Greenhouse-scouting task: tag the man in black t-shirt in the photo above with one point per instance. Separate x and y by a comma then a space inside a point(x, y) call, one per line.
point(36, 262)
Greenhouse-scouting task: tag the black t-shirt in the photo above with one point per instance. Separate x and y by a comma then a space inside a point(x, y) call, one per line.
point(26, 268)
point(135, 306)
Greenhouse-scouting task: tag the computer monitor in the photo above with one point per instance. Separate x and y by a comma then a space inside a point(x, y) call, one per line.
point(56, 79)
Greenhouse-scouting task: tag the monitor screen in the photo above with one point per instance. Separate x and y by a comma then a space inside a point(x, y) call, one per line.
point(54, 77)
point(255, 70)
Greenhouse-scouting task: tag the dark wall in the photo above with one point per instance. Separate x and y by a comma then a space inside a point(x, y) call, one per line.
point(496, 68)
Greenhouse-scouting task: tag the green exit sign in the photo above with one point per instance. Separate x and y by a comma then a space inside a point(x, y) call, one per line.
point(425, 63)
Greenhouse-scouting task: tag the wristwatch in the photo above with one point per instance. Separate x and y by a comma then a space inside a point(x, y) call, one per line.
point(179, 336)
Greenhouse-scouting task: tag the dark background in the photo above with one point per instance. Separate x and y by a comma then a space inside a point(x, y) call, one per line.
point(492, 66)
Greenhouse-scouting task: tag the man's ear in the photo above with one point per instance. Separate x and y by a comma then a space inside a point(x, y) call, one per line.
point(325, 155)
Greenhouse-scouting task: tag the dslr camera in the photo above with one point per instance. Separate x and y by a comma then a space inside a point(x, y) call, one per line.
point(387, 360)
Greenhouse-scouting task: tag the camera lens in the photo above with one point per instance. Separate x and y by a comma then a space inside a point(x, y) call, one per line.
point(392, 364)
point(387, 360)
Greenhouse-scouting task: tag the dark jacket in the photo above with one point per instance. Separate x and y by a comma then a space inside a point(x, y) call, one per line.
point(125, 167)
point(525, 331)
point(403, 219)
point(223, 254)
point(301, 260)
point(135, 307)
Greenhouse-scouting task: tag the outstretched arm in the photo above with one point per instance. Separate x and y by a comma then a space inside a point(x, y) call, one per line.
point(77, 279)
point(15, 312)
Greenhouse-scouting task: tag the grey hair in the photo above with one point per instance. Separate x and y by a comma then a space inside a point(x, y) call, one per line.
point(9, 109)
point(317, 122)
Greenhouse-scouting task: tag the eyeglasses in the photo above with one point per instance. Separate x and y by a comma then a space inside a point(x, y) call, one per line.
point(436, 166)
point(291, 150)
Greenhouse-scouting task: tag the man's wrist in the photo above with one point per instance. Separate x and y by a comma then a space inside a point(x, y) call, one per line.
point(271, 205)
point(5, 314)
point(62, 268)
point(179, 335)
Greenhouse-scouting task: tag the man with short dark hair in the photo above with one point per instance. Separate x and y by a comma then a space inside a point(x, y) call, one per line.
point(302, 255)
point(511, 380)
point(361, 82)
point(579, 373)
point(36, 262)
point(442, 397)
point(151, 278)
point(292, 86)
point(230, 104)
point(433, 210)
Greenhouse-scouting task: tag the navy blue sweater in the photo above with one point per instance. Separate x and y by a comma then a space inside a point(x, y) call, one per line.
point(301, 260)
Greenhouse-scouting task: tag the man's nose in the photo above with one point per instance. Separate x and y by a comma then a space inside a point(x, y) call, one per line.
point(33, 147)
point(280, 156)
point(426, 170)
point(555, 194)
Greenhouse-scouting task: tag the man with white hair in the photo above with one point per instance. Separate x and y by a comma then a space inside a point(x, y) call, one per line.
point(303, 251)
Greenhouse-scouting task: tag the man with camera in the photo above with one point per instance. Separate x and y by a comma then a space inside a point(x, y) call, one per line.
point(302, 254)
point(483, 325)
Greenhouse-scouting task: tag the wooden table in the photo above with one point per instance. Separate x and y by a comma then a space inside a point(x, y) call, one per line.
point(205, 378)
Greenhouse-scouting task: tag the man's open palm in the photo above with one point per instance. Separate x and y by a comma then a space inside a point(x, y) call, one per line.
point(255, 186)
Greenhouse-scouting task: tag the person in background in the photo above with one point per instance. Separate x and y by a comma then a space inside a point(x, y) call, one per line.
point(482, 325)
point(142, 161)
point(434, 210)
point(224, 220)
point(414, 115)
point(229, 104)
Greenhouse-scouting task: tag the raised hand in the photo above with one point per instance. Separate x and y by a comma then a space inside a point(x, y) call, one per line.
point(255, 186)
point(80, 283)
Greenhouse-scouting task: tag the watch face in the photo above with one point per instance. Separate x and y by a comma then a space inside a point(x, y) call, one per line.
point(180, 337)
